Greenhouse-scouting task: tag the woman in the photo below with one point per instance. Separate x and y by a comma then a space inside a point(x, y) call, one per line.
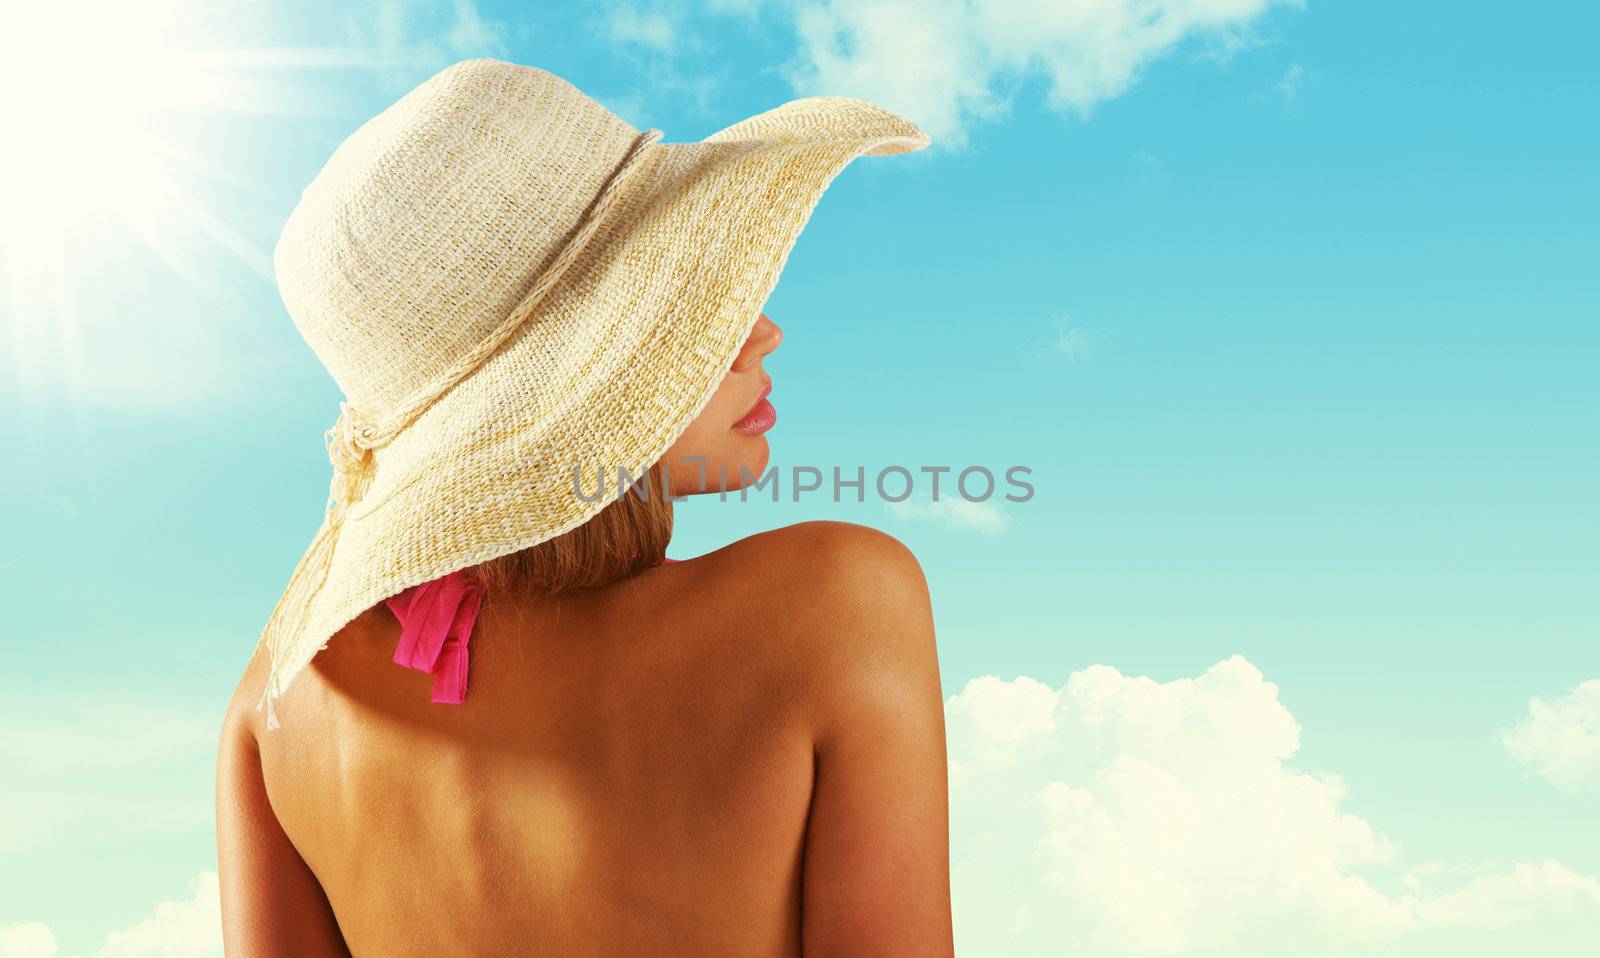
point(736, 754)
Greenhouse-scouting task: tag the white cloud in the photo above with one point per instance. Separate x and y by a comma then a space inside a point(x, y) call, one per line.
point(954, 512)
point(191, 928)
point(945, 62)
point(654, 30)
point(84, 770)
point(409, 38)
point(1071, 342)
point(29, 939)
point(922, 60)
point(671, 58)
point(948, 63)
point(177, 929)
point(1525, 892)
point(1559, 740)
point(1289, 83)
point(1137, 817)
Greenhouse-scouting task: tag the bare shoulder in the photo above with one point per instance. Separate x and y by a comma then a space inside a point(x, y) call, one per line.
point(828, 567)
point(849, 607)
point(242, 721)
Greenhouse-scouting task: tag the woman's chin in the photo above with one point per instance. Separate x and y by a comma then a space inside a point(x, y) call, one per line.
point(753, 465)
point(726, 475)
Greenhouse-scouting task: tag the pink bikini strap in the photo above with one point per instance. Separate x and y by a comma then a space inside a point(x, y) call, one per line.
point(436, 622)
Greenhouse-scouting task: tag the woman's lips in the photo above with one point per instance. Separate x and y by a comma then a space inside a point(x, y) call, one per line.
point(760, 418)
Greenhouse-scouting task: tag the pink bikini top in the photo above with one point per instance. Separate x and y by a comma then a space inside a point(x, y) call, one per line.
point(436, 620)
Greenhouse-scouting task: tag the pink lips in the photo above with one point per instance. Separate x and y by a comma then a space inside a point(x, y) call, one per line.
point(761, 417)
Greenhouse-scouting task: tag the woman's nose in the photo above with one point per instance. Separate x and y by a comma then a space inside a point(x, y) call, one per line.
point(764, 338)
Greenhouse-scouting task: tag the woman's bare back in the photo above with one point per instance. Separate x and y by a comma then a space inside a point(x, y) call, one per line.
point(715, 757)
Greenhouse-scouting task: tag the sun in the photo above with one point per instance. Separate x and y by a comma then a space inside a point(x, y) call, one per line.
point(84, 90)
point(102, 103)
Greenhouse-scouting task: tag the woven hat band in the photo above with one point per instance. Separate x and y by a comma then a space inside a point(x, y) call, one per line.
point(353, 435)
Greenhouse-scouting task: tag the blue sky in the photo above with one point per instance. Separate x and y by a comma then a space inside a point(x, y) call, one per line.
point(1289, 308)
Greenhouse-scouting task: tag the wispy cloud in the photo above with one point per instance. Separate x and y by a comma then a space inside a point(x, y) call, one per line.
point(82, 771)
point(191, 928)
point(29, 939)
point(1070, 341)
point(947, 63)
point(671, 57)
point(953, 512)
point(1138, 817)
point(177, 929)
point(1289, 83)
point(653, 30)
point(1559, 740)
point(408, 38)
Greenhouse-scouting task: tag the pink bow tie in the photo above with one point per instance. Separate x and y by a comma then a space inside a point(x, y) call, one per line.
point(436, 620)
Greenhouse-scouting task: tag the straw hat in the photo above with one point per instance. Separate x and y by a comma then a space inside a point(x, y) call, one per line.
point(509, 282)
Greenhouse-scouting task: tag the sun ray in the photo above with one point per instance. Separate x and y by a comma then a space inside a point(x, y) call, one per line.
point(104, 161)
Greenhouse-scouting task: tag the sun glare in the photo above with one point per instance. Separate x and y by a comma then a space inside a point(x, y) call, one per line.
point(82, 93)
point(104, 103)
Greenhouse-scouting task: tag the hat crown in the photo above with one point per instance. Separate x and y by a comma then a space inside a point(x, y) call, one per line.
point(430, 222)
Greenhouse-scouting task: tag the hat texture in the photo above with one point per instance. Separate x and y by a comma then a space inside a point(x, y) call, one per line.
point(509, 283)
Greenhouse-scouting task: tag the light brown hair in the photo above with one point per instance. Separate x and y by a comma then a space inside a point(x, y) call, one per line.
point(626, 537)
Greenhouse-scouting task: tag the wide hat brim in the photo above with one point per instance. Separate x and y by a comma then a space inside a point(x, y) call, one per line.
point(642, 331)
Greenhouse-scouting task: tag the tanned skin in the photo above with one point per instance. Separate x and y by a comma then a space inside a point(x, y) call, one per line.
point(737, 754)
